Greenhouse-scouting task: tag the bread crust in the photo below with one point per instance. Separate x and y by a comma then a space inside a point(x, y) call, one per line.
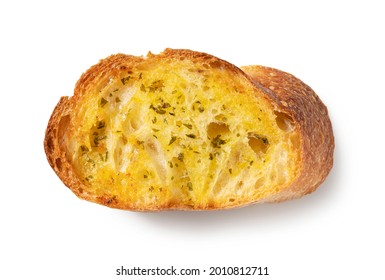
point(299, 101)
point(288, 95)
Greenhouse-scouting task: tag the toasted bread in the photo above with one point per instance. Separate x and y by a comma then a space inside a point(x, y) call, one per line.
point(186, 130)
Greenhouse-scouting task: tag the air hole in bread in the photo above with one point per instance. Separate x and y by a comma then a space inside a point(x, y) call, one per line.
point(236, 155)
point(258, 143)
point(239, 185)
point(63, 126)
point(273, 176)
point(134, 119)
point(217, 128)
point(259, 183)
point(221, 183)
point(156, 153)
point(135, 123)
point(118, 159)
point(284, 121)
point(50, 144)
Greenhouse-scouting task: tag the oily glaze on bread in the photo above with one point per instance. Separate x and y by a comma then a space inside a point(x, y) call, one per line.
point(186, 130)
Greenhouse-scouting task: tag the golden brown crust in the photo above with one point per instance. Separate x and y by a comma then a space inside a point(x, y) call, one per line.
point(52, 145)
point(310, 115)
point(288, 95)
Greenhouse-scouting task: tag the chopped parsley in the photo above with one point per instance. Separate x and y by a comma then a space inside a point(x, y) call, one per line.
point(125, 80)
point(217, 142)
point(189, 126)
point(172, 140)
point(103, 102)
point(101, 124)
point(181, 156)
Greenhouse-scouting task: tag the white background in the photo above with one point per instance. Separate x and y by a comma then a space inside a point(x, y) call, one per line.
point(337, 47)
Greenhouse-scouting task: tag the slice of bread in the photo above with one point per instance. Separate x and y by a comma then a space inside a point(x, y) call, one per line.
point(186, 130)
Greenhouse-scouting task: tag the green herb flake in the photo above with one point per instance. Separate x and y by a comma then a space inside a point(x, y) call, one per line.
point(101, 124)
point(193, 136)
point(265, 141)
point(251, 163)
point(84, 148)
point(181, 156)
point(261, 137)
point(211, 156)
point(98, 138)
point(172, 140)
point(103, 102)
point(142, 87)
point(156, 86)
point(90, 177)
point(230, 171)
point(172, 178)
point(170, 164)
point(154, 120)
point(172, 114)
point(217, 142)
point(145, 176)
point(140, 76)
point(190, 186)
point(189, 126)
point(166, 105)
point(201, 109)
point(125, 80)
point(151, 188)
point(158, 109)
point(155, 136)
